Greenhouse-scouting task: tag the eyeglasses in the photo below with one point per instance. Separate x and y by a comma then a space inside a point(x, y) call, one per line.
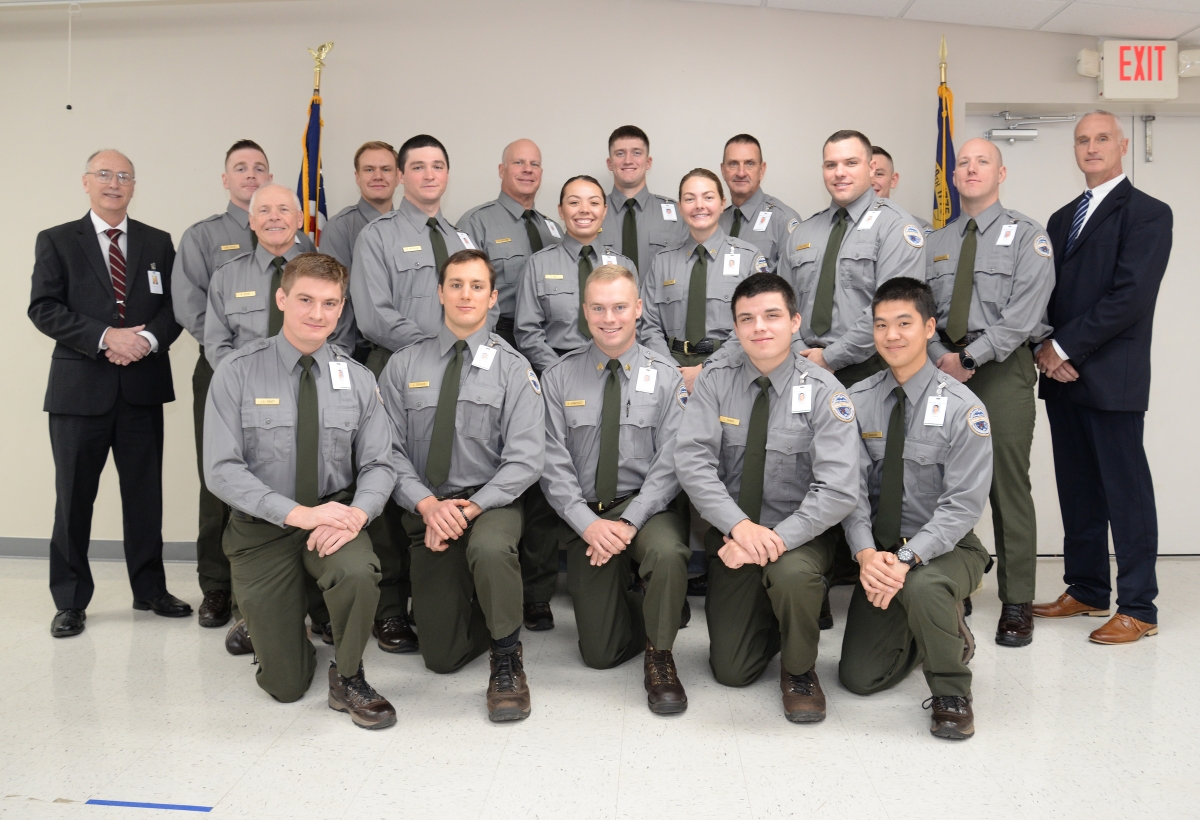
point(106, 176)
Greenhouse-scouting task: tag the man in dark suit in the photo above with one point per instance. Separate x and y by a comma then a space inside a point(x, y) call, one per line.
point(1111, 247)
point(101, 289)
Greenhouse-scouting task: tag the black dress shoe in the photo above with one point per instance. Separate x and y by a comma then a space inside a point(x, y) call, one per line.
point(685, 617)
point(1016, 625)
point(215, 608)
point(395, 635)
point(825, 619)
point(67, 622)
point(967, 607)
point(322, 631)
point(538, 617)
point(698, 586)
point(237, 640)
point(166, 605)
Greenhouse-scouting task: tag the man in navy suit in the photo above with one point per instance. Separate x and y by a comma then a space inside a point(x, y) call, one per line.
point(1111, 247)
point(102, 291)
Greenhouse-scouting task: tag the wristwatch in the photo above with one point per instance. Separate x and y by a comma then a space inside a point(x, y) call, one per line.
point(968, 361)
point(906, 556)
point(626, 521)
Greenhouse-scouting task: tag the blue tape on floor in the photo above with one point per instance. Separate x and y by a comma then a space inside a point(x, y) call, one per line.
point(174, 806)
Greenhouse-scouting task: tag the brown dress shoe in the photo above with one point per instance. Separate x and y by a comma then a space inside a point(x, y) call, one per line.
point(664, 692)
point(508, 691)
point(237, 640)
point(367, 708)
point(538, 617)
point(967, 635)
point(214, 609)
point(803, 699)
point(1067, 607)
point(1122, 629)
point(395, 635)
point(1016, 625)
point(952, 717)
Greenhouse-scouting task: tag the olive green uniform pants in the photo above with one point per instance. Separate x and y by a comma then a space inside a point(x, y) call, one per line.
point(1006, 390)
point(538, 550)
point(469, 593)
point(268, 566)
point(754, 612)
point(614, 621)
point(388, 535)
point(920, 625)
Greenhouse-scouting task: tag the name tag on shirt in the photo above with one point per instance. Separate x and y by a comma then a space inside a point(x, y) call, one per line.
point(466, 240)
point(1007, 234)
point(155, 281)
point(230, 247)
point(411, 248)
point(243, 294)
point(550, 226)
point(868, 220)
point(608, 259)
point(802, 398)
point(339, 375)
point(935, 411)
point(266, 401)
point(668, 209)
point(733, 264)
point(484, 356)
point(764, 219)
point(647, 376)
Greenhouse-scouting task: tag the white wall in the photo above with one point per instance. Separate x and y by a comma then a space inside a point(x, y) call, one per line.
point(173, 85)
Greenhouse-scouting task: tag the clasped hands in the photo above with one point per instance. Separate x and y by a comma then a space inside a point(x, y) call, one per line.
point(881, 574)
point(125, 346)
point(750, 543)
point(1054, 366)
point(332, 525)
point(446, 520)
point(607, 538)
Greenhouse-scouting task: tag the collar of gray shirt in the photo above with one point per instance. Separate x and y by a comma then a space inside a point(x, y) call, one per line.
point(417, 218)
point(599, 360)
point(983, 221)
point(617, 200)
point(290, 356)
point(573, 247)
point(446, 340)
point(240, 215)
point(781, 376)
point(856, 208)
point(712, 244)
point(916, 388)
point(367, 209)
point(751, 207)
point(513, 207)
point(263, 257)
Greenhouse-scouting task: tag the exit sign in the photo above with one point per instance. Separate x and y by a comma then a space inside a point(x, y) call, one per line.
point(1140, 70)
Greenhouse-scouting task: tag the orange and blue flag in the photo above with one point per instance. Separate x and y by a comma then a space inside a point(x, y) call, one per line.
point(945, 194)
point(311, 186)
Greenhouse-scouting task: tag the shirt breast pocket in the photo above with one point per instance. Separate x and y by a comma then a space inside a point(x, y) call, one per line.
point(804, 269)
point(560, 297)
point(420, 403)
point(924, 466)
point(268, 433)
point(789, 456)
point(416, 277)
point(733, 446)
point(941, 280)
point(637, 432)
point(245, 313)
point(479, 407)
point(508, 260)
point(340, 425)
point(994, 281)
point(858, 267)
point(581, 421)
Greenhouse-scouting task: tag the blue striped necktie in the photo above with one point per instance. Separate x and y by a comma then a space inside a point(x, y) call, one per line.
point(1080, 215)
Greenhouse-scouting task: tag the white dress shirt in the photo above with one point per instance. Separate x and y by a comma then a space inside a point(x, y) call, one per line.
point(123, 245)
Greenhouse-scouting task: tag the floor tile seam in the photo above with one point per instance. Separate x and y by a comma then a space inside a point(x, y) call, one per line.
point(100, 794)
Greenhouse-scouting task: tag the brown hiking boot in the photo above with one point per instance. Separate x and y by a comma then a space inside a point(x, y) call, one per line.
point(803, 700)
point(952, 717)
point(367, 708)
point(508, 692)
point(664, 692)
point(237, 639)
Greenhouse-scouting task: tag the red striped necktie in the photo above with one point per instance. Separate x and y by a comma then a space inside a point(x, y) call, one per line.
point(116, 268)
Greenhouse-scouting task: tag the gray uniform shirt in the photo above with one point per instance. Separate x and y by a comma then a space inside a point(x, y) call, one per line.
point(766, 224)
point(337, 240)
point(947, 468)
point(500, 433)
point(394, 280)
point(667, 282)
point(250, 431)
point(499, 231)
point(810, 480)
point(548, 299)
point(206, 246)
point(1012, 284)
point(650, 415)
point(655, 231)
point(882, 242)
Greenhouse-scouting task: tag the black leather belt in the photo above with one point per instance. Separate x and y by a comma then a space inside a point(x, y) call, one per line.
point(504, 324)
point(971, 336)
point(464, 494)
point(685, 347)
point(598, 507)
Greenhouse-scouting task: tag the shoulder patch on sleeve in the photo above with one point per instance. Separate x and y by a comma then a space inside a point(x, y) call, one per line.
point(914, 236)
point(977, 420)
point(537, 387)
point(1041, 246)
point(843, 408)
point(760, 264)
point(681, 395)
point(793, 223)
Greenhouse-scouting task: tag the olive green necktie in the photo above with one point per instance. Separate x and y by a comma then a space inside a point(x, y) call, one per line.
point(754, 460)
point(891, 488)
point(275, 315)
point(441, 443)
point(822, 312)
point(585, 270)
point(610, 436)
point(535, 238)
point(629, 243)
point(308, 436)
point(697, 326)
point(964, 279)
point(736, 230)
point(438, 242)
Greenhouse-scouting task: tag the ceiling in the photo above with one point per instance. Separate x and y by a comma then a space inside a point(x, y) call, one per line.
point(1140, 19)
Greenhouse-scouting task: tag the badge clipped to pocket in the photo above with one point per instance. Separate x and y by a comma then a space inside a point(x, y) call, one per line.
point(1007, 234)
point(155, 281)
point(608, 259)
point(484, 356)
point(550, 226)
point(466, 240)
point(647, 376)
point(935, 411)
point(668, 211)
point(802, 398)
point(764, 219)
point(868, 220)
point(733, 264)
point(339, 375)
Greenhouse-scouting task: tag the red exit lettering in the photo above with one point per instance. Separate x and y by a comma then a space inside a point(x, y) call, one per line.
point(1146, 67)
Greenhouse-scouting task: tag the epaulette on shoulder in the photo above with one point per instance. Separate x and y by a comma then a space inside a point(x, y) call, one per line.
point(230, 261)
point(344, 211)
point(664, 198)
point(867, 383)
point(253, 347)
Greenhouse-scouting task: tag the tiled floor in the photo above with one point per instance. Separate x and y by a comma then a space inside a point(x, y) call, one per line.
point(151, 710)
